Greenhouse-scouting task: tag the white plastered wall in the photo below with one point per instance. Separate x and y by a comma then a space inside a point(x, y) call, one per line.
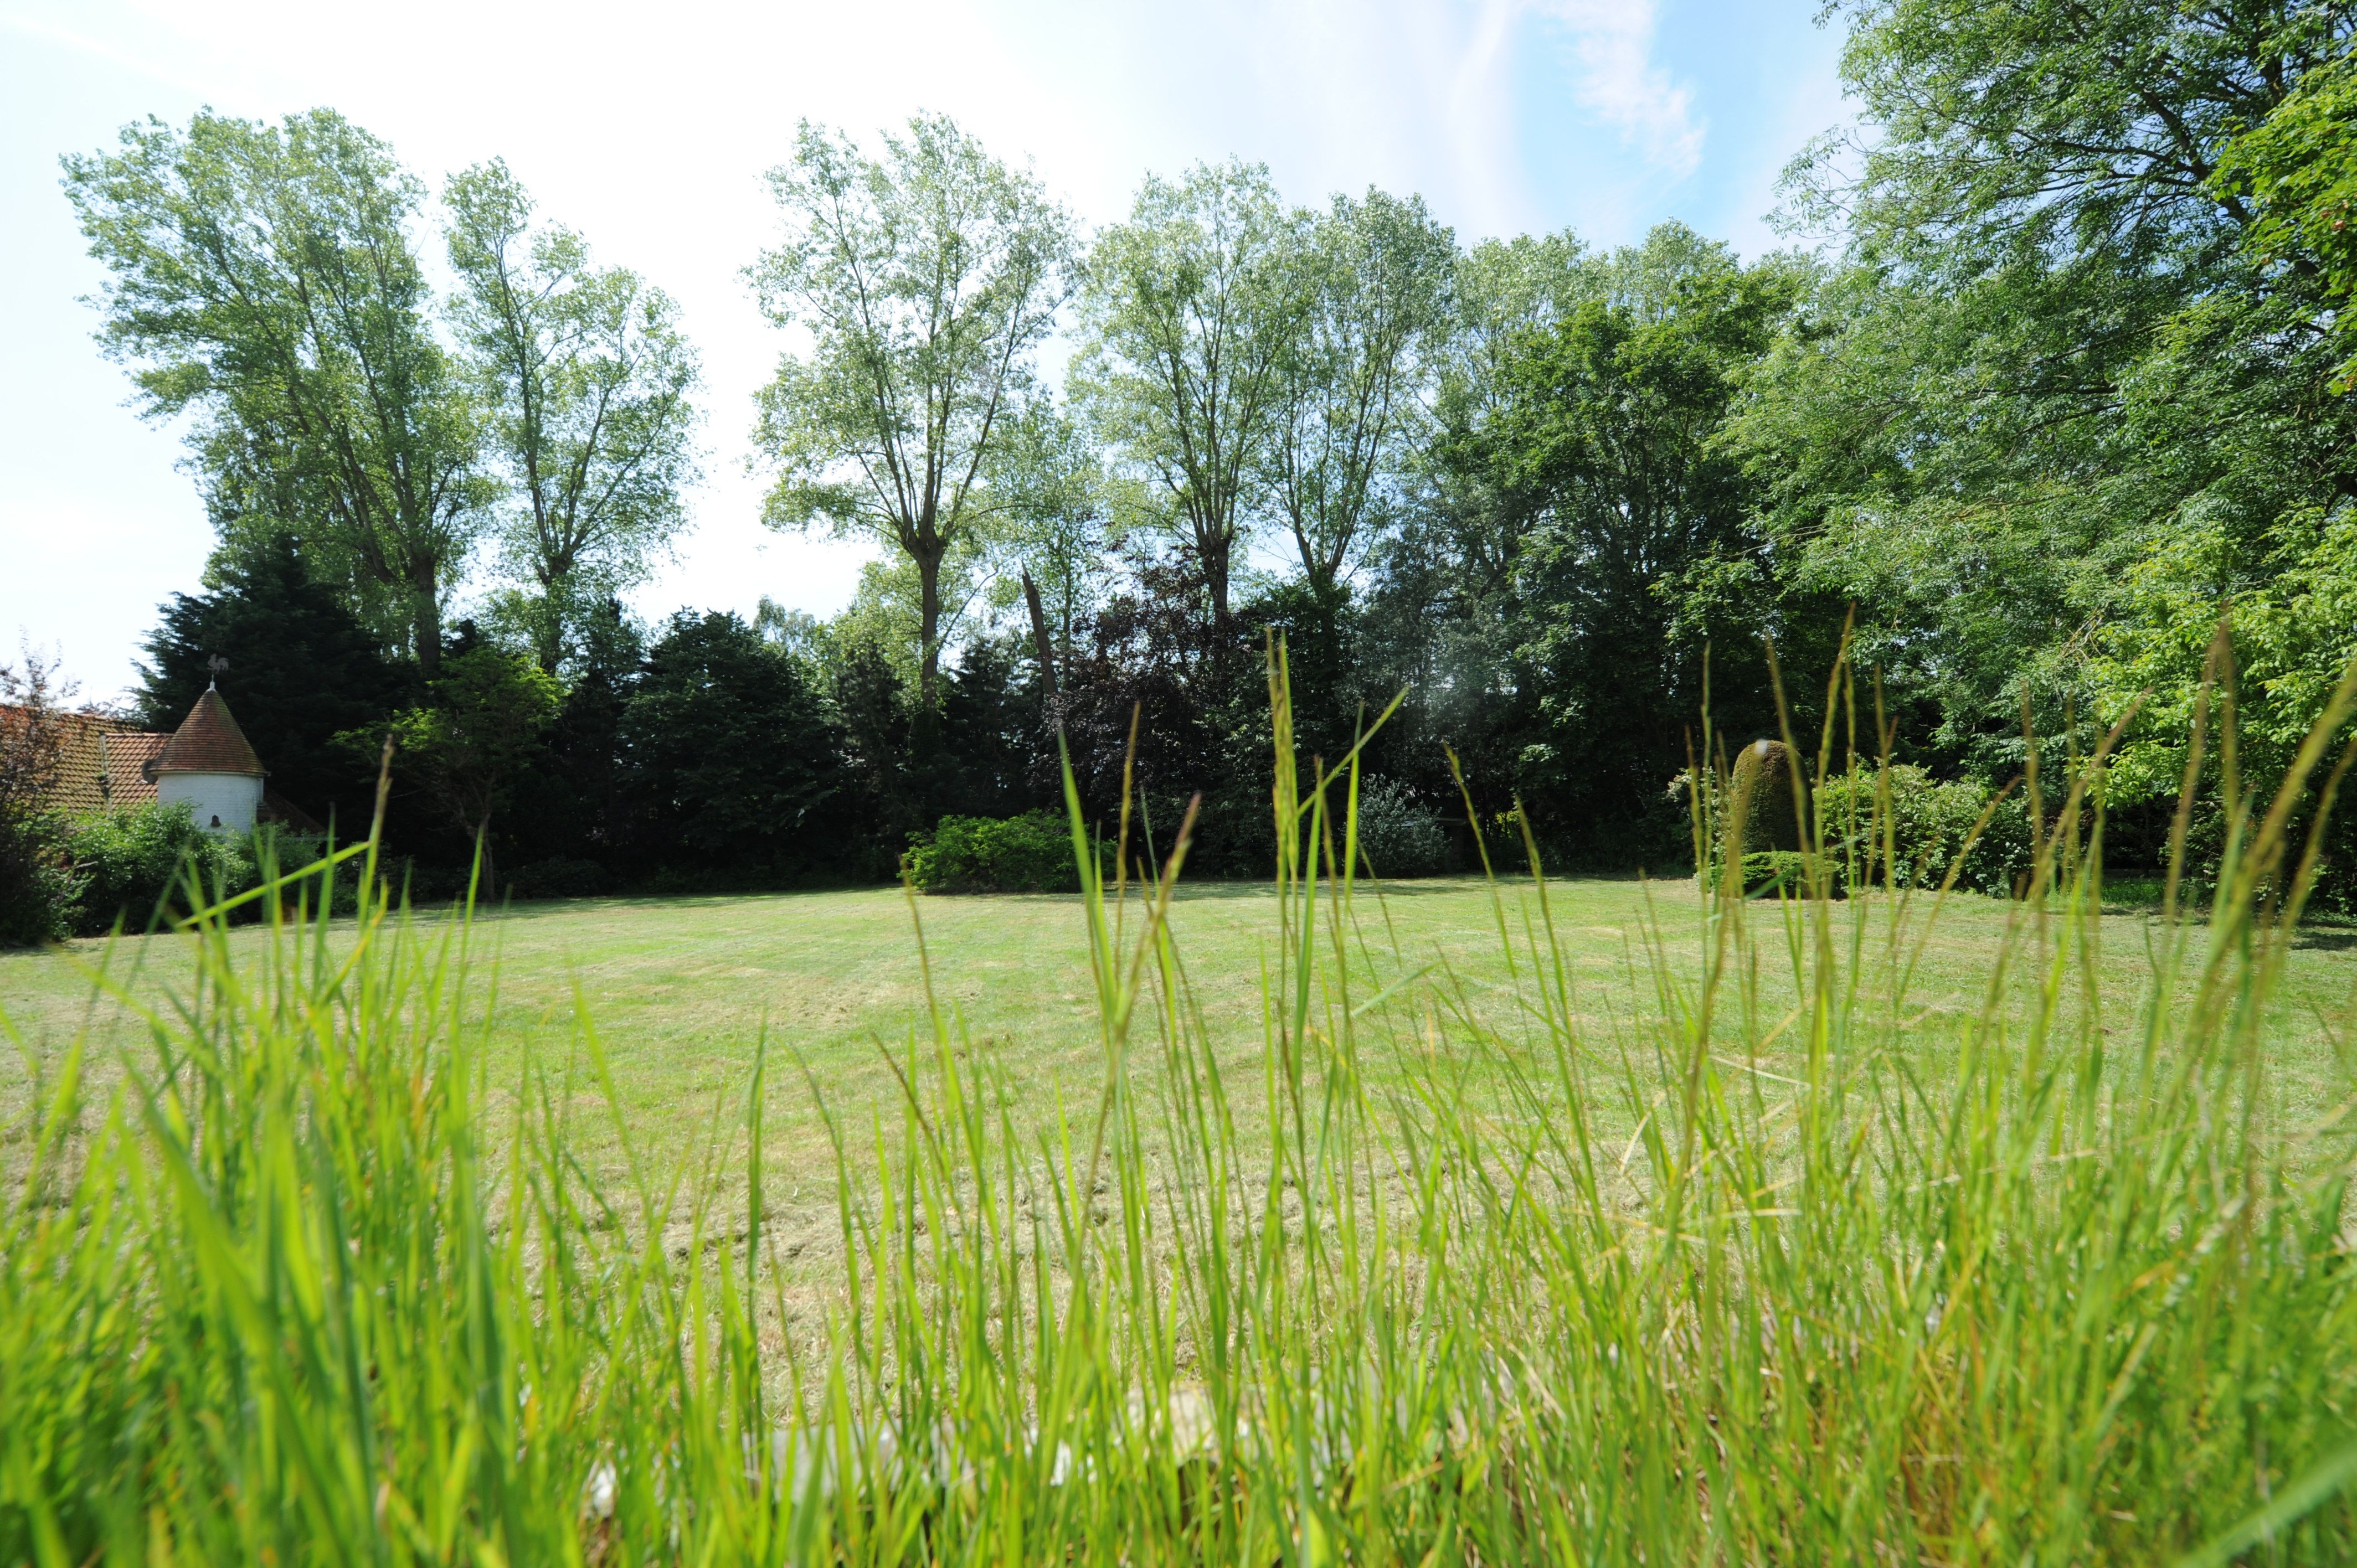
point(225, 801)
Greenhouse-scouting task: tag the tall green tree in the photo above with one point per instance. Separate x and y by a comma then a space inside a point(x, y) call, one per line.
point(468, 747)
point(262, 277)
point(1437, 615)
point(1191, 312)
point(590, 383)
point(2285, 590)
point(926, 278)
point(1376, 273)
point(2296, 172)
point(1606, 434)
point(737, 767)
point(2049, 347)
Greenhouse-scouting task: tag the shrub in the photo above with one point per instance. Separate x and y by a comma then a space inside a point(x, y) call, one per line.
point(38, 886)
point(1029, 854)
point(132, 861)
point(1769, 872)
point(1397, 834)
point(1929, 822)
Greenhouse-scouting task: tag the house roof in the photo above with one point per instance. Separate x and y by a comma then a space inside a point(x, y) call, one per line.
point(130, 757)
point(208, 741)
point(83, 777)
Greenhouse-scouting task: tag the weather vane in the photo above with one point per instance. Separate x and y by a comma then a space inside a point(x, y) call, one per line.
point(216, 664)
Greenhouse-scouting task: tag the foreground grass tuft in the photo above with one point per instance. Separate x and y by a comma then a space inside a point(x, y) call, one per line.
point(2063, 1283)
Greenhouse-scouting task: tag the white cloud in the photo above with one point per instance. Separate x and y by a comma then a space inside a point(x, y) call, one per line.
point(1609, 45)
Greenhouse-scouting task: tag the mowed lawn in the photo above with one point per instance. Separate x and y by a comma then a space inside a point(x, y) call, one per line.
point(680, 989)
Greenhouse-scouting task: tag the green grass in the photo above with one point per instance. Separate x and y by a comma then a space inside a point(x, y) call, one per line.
point(1591, 1224)
point(681, 988)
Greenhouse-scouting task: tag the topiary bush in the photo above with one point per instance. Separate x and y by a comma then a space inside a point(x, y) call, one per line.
point(1029, 854)
point(131, 859)
point(1767, 778)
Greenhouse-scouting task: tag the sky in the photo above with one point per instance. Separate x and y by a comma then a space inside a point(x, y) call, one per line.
point(647, 128)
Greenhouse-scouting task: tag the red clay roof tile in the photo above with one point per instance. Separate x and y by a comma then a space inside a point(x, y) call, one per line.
point(130, 781)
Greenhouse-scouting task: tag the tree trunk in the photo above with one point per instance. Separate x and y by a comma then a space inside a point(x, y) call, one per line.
point(1039, 634)
point(548, 627)
point(1213, 549)
point(428, 610)
point(488, 890)
point(929, 670)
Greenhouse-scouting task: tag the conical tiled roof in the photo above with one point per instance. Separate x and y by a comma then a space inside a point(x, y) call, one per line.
point(208, 741)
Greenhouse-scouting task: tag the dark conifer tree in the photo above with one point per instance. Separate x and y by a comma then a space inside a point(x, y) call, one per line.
point(737, 768)
point(572, 808)
point(301, 670)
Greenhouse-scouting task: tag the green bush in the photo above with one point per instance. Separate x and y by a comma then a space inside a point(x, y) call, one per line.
point(39, 889)
point(1029, 854)
point(1397, 834)
point(1770, 871)
point(132, 861)
point(1930, 824)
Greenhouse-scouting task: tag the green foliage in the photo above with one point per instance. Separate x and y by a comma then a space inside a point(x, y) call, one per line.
point(489, 710)
point(263, 276)
point(1029, 854)
point(302, 668)
point(39, 889)
point(926, 277)
point(38, 886)
point(1877, 826)
point(1192, 314)
point(588, 381)
point(1626, 523)
point(1059, 524)
point(2297, 169)
point(1900, 828)
point(735, 764)
point(2289, 603)
point(1781, 873)
point(2067, 379)
point(136, 862)
point(2051, 344)
point(1377, 274)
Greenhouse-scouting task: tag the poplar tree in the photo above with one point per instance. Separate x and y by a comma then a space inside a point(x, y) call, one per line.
point(262, 278)
point(925, 278)
point(1191, 311)
point(588, 383)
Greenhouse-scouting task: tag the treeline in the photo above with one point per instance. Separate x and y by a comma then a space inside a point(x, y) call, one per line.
point(2058, 387)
